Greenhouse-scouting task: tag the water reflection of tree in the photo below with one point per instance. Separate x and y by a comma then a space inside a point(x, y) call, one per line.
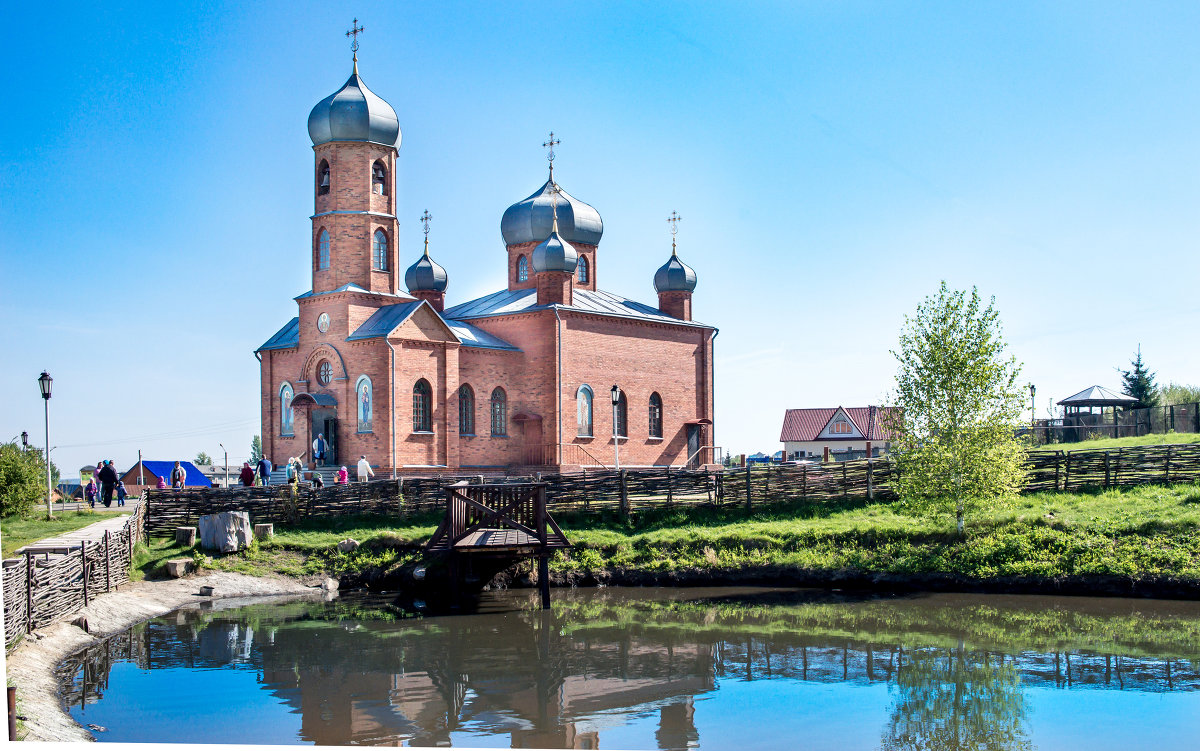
point(953, 700)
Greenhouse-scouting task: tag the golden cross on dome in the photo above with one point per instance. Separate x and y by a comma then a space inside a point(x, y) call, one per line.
point(674, 220)
point(354, 31)
point(425, 221)
point(550, 155)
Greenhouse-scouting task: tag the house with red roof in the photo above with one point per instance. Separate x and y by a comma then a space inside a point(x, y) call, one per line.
point(807, 432)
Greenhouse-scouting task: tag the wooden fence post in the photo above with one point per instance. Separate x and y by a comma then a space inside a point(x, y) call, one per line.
point(1057, 459)
point(1167, 463)
point(1107, 472)
point(870, 478)
point(747, 487)
point(1067, 476)
point(28, 592)
point(107, 563)
point(804, 482)
point(624, 488)
point(670, 496)
point(83, 570)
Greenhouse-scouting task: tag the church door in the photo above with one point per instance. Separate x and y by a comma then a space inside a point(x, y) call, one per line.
point(693, 446)
point(324, 422)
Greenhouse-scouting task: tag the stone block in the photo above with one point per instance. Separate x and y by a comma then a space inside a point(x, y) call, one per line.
point(263, 531)
point(185, 536)
point(207, 591)
point(225, 532)
point(329, 585)
point(347, 545)
point(178, 567)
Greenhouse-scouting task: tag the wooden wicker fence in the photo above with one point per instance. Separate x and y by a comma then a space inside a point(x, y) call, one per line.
point(42, 589)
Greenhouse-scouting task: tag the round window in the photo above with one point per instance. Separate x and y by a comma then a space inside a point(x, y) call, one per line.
point(325, 372)
point(323, 322)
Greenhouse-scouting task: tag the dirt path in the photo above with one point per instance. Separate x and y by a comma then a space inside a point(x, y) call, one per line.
point(31, 665)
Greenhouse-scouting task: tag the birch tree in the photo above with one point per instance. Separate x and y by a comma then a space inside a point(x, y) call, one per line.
point(958, 405)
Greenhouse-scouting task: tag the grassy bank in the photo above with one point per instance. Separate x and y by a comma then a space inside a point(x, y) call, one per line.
point(33, 526)
point(1154, 439)
point(1151, 531)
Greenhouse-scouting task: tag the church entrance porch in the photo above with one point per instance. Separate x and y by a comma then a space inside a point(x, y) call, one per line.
point(322, 426)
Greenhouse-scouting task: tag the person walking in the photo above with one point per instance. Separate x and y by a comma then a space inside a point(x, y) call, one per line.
point(89, 492)
point(108, 482)
point(247, 475)
point(264, 471)
point(178, 477)
point(122, 493)
point(319, 450)
point(293, 470)
point(364, 469)
point(343, 477)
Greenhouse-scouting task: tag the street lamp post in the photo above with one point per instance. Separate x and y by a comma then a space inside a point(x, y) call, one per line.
point(24, 439)
point(1032, 415)
point(616, 399)
point(226, 463)
point(44, 383)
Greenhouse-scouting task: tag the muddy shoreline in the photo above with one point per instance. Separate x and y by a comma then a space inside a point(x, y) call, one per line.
point(31, 666)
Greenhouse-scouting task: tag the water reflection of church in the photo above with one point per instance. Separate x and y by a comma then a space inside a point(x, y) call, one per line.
point(563, 680)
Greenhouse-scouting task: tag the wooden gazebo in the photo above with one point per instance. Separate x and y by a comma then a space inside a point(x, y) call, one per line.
point(1077, 423)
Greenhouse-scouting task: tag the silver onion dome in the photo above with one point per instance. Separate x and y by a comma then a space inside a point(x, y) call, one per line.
point(354, 113)
point(675, 276)
point(555, 254)
point(531, 220)
point(426, 275)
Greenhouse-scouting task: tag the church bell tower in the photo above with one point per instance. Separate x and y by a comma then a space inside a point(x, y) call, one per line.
point(356, 137)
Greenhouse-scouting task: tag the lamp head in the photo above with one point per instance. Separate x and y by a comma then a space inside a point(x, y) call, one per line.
point(616, 394)
point(25, 438)
point(1032, 391)
point(44, 383)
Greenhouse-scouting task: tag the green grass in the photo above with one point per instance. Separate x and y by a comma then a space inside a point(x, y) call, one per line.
point(1152, 530)
point(33, 526)
point(1154, 439)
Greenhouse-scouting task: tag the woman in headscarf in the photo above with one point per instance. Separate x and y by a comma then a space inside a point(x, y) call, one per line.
point(247, 474)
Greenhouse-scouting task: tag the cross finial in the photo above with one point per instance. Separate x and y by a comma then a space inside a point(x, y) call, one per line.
point(425, 221)
point(554, 190)
point(674, 220)
point(353, 33)
point(550, 144)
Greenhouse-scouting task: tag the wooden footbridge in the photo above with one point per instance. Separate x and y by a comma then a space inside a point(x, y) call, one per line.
point(499, 521)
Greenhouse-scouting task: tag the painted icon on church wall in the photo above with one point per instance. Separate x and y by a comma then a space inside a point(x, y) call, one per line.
point(364, 404)
point(286, 417)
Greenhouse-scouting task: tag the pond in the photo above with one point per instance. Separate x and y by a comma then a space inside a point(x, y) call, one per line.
point(713, 668)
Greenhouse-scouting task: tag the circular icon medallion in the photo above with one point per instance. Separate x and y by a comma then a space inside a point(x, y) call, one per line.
point(323, 322)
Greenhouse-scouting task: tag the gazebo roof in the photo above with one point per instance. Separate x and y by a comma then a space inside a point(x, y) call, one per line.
point(1097, 396)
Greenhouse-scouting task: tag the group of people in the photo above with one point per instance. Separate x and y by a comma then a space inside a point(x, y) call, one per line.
point(261, 473)
point(103, 484)
point(177, 478)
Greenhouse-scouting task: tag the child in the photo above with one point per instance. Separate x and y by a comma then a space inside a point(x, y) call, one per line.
point(90, 493)
point(122, 493)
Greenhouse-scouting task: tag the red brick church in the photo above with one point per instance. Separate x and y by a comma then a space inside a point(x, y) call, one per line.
point(522, 377)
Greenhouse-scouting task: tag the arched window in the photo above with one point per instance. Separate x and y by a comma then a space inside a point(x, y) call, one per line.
point(422, 407)
point(379, 179)
point(499, 412)
point(466, 410)
point(364, 396)
point(622, 426)
point(583, 410)
point(323, 178)
point(581, 270)
point(286, 418)
point(655, 415)
point(379, 254)
point(323, 249)
point(522, 269)
point(324, 372)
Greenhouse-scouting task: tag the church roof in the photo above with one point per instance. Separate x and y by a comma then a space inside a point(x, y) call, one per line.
point(383, 321)
point(351, 287)
point(354, 113)
point(507, 302)
point(286, 338)
point(531, 219)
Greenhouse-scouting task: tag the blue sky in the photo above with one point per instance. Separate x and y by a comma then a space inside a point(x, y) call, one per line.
point(831, 162)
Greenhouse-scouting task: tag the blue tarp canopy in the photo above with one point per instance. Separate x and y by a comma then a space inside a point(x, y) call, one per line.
point(163, 469)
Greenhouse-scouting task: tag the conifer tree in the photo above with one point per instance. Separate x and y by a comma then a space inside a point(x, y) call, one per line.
point(1139, 383)
point(255, 450)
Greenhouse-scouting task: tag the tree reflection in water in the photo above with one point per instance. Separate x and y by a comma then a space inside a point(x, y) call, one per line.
point(953, 700)
point(362, 670)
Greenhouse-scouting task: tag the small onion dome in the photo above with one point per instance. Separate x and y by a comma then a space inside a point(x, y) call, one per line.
point(532, 220)
point(555, 254)
point(675, 276)
point(426, 275)
point(354, 113)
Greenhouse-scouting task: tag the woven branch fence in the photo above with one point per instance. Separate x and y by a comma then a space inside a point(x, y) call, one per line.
point(40, 589)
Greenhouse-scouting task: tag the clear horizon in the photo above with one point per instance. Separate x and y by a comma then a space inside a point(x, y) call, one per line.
point(831, 165)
